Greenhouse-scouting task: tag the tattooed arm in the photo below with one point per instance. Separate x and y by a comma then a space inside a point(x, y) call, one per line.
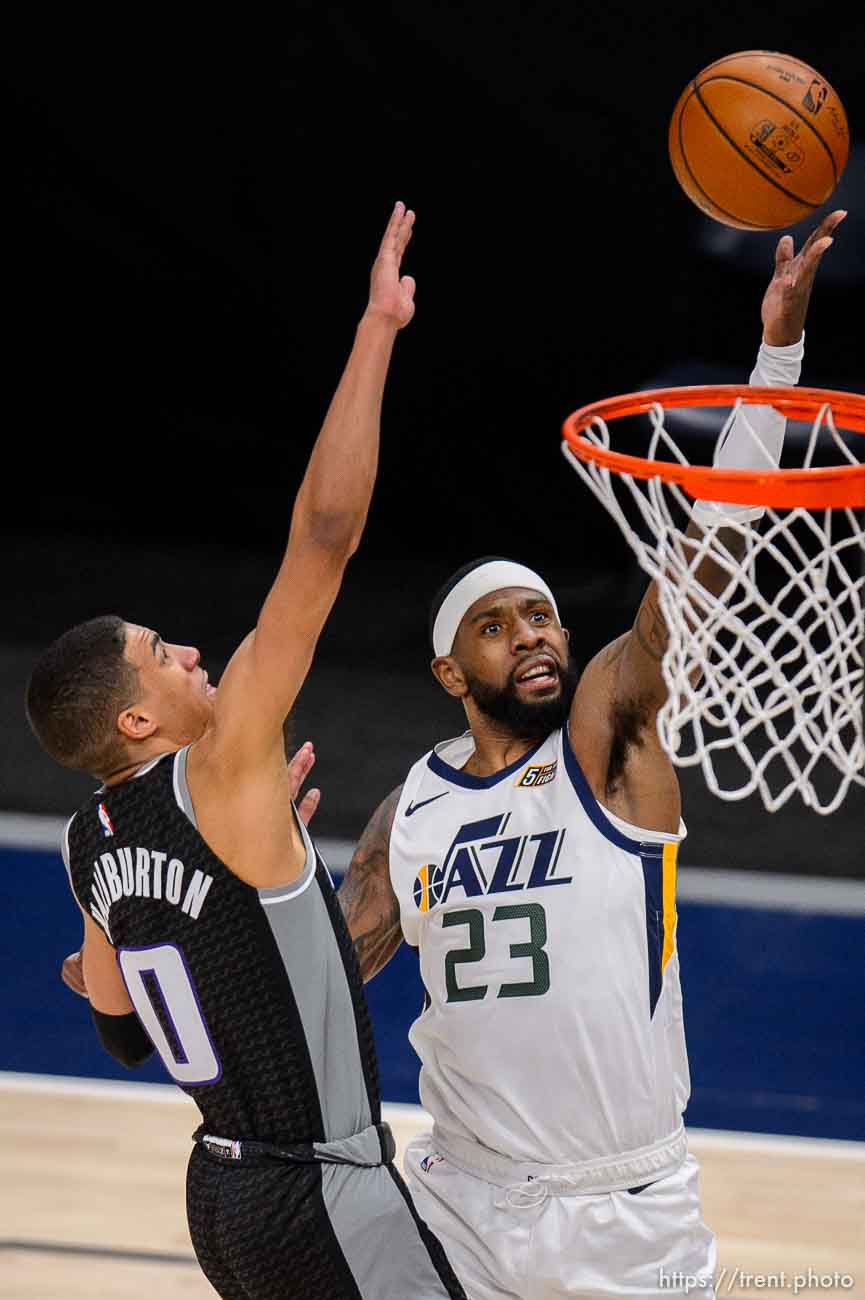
point(613, 713)
point(366, 896)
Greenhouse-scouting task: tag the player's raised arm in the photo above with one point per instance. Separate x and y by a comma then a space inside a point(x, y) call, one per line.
point(636, 657)
point(366, 895)
point(264, 676)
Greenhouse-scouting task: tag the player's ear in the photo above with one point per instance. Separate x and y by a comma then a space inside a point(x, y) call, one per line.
point(448, 674)
point(566, 633)
point(134, 724)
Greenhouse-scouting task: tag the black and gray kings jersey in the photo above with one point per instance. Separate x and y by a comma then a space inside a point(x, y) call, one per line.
point(254, 1001)
point(251, 997)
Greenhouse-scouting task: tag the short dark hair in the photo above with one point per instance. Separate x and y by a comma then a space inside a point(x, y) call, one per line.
point(447, 587)
point(75, 691)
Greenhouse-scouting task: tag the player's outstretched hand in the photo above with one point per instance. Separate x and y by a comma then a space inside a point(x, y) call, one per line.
point(391, 295)
point(785, 304)
point(299, 768)
point(72, 973)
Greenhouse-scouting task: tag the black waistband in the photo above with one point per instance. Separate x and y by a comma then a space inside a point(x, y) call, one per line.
point(298, 1153)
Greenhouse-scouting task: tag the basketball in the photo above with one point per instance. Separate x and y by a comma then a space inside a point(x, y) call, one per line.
point(758, 140)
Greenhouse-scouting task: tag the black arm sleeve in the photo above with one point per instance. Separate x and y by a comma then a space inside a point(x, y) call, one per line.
point(123, 1038)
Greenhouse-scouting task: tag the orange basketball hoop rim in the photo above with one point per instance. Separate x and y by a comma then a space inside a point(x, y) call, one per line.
point(833, 487)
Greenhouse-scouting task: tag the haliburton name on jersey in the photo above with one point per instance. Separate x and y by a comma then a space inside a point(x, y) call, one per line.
point(144, 873)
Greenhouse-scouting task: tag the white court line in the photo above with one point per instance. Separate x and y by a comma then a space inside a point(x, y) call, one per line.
point(768, 889)
point(168, 1094)
point(27, 831)
point(745, 888)
point(775, 1144)
point(35, 831)
point(99, 1089)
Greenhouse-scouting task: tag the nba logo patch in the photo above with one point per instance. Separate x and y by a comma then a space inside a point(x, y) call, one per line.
point(428, 1161)
point(105, 821)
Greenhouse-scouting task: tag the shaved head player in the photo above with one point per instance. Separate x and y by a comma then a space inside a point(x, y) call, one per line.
point(532, 862)
point(212, 930)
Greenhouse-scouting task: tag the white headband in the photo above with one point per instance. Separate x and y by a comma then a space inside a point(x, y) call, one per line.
point(480, 582)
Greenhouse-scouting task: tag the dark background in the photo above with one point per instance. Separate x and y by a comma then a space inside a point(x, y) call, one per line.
point(189, 221)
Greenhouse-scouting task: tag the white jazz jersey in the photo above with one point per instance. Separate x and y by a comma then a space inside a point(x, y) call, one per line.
point(552, 1030)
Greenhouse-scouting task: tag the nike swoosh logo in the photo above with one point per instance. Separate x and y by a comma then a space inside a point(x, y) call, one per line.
point(413, 807)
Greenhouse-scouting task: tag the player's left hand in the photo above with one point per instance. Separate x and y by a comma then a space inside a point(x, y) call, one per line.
point(785, 303)
point(72, 973)
point(299, 768)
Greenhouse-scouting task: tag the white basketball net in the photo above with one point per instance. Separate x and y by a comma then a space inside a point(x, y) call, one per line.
point(765, 681)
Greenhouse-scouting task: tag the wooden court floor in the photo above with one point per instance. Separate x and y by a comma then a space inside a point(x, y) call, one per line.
point(92, 1187)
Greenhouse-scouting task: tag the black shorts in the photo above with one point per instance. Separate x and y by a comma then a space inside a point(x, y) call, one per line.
point(267, 1229)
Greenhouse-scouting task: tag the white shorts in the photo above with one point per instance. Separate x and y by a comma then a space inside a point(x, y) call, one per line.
point(523, 1244)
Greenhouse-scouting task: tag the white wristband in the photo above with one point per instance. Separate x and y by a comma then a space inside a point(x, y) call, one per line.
point(756, 437)
point(779, 365)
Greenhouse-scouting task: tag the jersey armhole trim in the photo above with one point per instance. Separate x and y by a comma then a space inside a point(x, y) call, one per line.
point(591, 807)
point(409, 789)
point(181, 785)
point(272, 894)
point(268, 895)
point(64, 851)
